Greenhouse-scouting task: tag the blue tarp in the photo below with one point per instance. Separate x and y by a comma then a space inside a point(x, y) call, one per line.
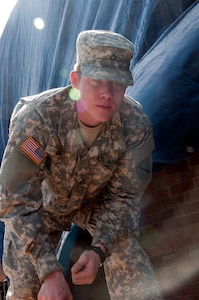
point(167, 85)
point(165, 64)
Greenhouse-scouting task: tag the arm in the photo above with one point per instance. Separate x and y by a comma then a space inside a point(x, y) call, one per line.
point(21, 196)
point(119, 216)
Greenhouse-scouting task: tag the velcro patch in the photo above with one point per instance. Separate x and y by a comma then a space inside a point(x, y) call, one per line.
point(33, 150)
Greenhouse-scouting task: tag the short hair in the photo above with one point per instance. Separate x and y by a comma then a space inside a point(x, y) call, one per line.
point(77, 68)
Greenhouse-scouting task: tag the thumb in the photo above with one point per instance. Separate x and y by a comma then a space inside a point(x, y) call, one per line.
point(79, 265)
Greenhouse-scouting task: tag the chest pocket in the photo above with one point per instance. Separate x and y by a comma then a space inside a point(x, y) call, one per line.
point(60, 168)
point(102, 172)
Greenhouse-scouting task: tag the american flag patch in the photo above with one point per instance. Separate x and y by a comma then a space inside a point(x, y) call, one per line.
point(33, 150)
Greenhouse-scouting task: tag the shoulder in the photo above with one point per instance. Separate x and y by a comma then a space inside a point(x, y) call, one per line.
point(136, 123)
point(130, 105)
point(41, 103)
point(47, 98)
point(132, 112)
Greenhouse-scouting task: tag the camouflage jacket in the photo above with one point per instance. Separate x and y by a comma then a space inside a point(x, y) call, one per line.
point(40, 197)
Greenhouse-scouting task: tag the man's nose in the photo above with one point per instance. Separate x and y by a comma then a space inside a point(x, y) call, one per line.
point(107, 90)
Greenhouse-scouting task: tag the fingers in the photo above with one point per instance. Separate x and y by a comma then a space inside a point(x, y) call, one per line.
point(81, 264)
point(82, 274)
point(83, 277)
point(85, 269)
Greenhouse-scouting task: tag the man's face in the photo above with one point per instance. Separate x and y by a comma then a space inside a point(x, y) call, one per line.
point(99, 99)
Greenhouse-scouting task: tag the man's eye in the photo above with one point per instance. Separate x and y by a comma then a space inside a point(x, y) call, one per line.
point(117, 84)
point(97, 82)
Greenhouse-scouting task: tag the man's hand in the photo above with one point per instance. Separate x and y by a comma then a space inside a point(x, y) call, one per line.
point(55, 287)
point(85, 269)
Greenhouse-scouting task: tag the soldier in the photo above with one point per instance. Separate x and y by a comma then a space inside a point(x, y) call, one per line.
point(79, 154)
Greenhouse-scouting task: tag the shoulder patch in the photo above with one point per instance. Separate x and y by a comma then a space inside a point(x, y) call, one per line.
point(144, 169)
point(33, 150)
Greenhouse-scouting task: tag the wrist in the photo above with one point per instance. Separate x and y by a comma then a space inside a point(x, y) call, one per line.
point(53, 275)
point(103, 248)
point(97, 250)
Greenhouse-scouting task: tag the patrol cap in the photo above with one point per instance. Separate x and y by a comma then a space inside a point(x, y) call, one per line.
point(103, 54)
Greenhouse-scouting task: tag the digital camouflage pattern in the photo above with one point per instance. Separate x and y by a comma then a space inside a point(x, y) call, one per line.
point(103, 54)
point(97, 188)
point(129, 274)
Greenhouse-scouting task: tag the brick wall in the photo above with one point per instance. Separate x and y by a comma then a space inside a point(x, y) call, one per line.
point(170, 228)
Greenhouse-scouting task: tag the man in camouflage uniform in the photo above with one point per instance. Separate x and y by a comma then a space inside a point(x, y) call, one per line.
point(79, 154)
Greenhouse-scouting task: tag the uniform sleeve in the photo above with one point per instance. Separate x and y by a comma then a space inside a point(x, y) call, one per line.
point(120, 213)
point(21, 196)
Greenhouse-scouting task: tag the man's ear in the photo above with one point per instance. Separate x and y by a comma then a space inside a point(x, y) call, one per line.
point(74, 79)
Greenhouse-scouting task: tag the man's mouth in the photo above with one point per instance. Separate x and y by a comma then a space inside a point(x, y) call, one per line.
point(104, 106)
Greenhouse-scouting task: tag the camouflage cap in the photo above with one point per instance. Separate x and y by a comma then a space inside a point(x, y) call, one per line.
point(103, 54)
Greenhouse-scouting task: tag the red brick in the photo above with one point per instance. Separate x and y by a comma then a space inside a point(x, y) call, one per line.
point(192, 195)
point(173, 293)
point(162, 216)
point(149, 237)
point(170, 207)
point(159, 227)
point(183, 244)
point(174, 235)
point(182, 187)
point(156, 261)
point(168, 180)
point(196, 182)
point(187, 208)
point(191, 230)
point(177, 222)
point(152, 208)
point(152, 186)
point(196, 297)
point(191, 289)
point(191, 173)
point(178, 167)
point(196, 241)
point(175, 297)
point(161, 194)
point(194, 160)
point(174, 201)
point(160, 173)
point(146, 200)
point(194, 218)
point(195, 168)
point(145, 220)
point(193, 254)
point(162, 249)
point(196, 278)
point(169, 260)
